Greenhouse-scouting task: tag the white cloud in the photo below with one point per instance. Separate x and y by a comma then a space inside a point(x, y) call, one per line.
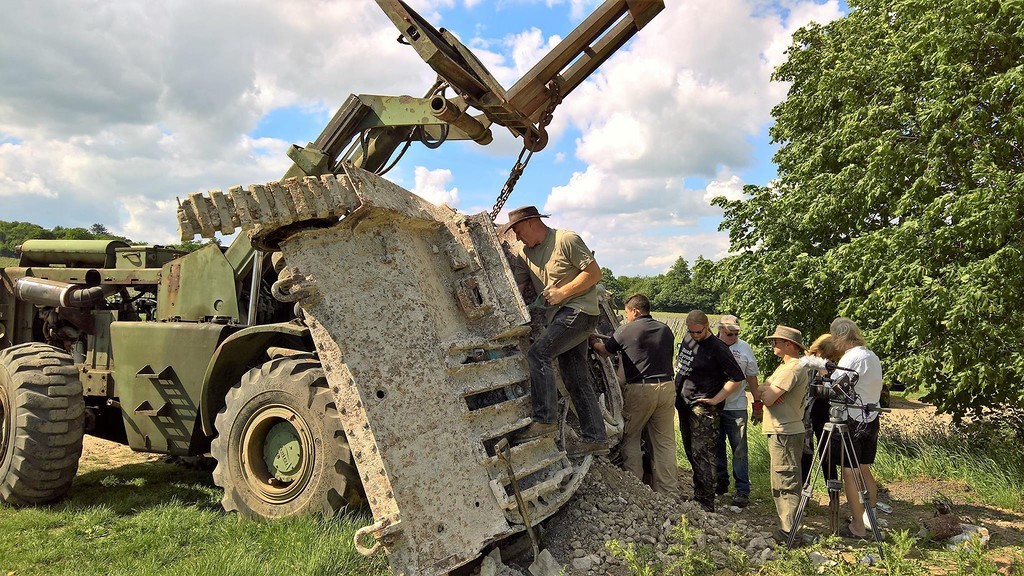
point(730, 186)
point(109, 112)
point(146, 101)
point(683, 102)
point(431, 185)
point(528, 48)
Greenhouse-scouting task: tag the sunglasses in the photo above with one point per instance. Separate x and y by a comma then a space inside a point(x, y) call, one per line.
point(701, 331)
point(730, 334)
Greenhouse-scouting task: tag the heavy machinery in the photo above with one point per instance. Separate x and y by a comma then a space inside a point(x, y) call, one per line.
point(355, 344)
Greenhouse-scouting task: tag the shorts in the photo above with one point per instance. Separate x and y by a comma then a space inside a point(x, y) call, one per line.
point(865, 442)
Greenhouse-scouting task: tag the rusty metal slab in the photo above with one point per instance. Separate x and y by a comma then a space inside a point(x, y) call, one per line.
point(422, 334)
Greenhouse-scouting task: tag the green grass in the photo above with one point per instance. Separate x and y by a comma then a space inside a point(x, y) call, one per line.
point(984, 459)
point(158, 518)
point(5, 261)
point(987, 460)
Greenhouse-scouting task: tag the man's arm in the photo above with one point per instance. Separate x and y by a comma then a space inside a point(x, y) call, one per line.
point(752, 384)
point(599, 347)
point(583, 281)
point(771, 394)
point(521, 274)
point(726, 391)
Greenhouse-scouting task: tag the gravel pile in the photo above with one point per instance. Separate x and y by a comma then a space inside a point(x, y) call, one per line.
point(612, 504)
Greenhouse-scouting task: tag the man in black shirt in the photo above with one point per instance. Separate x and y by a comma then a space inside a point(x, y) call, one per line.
point(714, 374)
point(648, 396)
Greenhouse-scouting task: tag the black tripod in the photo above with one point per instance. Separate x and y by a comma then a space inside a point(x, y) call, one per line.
point(836, 430)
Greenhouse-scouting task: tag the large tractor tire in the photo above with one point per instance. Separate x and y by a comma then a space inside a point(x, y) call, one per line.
point(43, 416)
point(281, 449)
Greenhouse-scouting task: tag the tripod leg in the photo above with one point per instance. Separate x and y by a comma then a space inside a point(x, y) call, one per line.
point(862, 491)
point(833, 509)
point(805, 495)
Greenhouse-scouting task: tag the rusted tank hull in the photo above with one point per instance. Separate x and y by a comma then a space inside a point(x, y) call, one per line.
point(422, 335)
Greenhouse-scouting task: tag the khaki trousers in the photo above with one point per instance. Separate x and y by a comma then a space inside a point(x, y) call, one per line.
point(785, 450)
point(651, 406)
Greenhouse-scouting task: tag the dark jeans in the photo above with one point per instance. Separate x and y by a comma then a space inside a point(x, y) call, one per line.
point(734, 426)
point(699, 425)
point(566, 339)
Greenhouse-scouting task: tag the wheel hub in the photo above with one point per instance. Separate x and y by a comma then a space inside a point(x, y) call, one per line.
point(277, 453)
point(283, 451)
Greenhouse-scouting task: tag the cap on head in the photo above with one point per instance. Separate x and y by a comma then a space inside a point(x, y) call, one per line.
point(729, 322)
point(786, 333)
point(519, 214)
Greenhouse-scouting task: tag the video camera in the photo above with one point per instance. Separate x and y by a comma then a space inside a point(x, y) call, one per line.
point(838, 386)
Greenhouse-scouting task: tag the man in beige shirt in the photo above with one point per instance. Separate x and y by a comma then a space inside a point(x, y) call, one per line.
point(784, 394)
point(564, 275)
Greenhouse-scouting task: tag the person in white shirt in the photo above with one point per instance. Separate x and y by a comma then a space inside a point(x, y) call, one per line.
point(863, 424)
point(734, 415)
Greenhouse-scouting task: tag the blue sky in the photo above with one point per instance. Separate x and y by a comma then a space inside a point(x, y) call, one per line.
point(108, 113)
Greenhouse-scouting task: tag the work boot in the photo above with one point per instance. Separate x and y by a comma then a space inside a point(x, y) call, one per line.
point(584, 447)
point(533, 431)
point(740, 500)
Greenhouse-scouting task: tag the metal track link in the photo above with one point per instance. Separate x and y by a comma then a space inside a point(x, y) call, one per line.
point(264, 208)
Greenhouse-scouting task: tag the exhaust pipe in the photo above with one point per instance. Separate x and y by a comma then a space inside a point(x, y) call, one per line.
point(43, 292)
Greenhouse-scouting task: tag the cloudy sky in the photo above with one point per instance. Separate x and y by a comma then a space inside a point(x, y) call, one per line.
point(111, 110)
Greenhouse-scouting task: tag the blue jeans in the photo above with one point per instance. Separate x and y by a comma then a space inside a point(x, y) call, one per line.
point(734, 426)
point(566, 339)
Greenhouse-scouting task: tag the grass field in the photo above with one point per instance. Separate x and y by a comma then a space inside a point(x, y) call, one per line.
point(5, 261)
point(158, 518)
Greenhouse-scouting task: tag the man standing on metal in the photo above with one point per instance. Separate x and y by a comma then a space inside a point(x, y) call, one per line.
point(565, 275)
point(713, 376)
point(649, 395)
point(784, 395)
point(734, 415)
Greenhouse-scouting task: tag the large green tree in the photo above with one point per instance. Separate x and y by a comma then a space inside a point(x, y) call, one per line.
point(900, 197)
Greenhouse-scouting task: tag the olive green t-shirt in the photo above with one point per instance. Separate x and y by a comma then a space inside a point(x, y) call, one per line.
point(786, 416)
point(556, 261)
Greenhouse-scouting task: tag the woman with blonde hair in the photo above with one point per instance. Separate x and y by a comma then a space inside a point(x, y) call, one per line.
point(817, 414)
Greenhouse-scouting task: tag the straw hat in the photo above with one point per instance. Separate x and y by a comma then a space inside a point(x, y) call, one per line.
point(787, 333)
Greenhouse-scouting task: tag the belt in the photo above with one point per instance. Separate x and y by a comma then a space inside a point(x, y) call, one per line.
point(650, 380)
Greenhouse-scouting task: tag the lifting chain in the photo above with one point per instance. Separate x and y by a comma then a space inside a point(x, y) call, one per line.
point(526, 152)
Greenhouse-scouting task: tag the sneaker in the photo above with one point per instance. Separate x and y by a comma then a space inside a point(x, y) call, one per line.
point(583, 448)
point(740, 500)
point(533, 431)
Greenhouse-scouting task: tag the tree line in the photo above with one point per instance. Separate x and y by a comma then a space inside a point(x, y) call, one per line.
point(680, 289)
point(13, 234)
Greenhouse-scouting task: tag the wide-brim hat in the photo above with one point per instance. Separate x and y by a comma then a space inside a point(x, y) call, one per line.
point(520, 214)
point(787, 333)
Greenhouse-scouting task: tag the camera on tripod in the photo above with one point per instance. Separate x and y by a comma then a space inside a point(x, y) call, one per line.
point(839, 386)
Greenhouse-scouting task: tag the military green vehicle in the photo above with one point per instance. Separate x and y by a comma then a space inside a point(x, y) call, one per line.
point(355, 344)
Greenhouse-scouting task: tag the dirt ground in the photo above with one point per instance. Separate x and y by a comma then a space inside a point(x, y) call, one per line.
point(100, 454)
point(910, 500)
